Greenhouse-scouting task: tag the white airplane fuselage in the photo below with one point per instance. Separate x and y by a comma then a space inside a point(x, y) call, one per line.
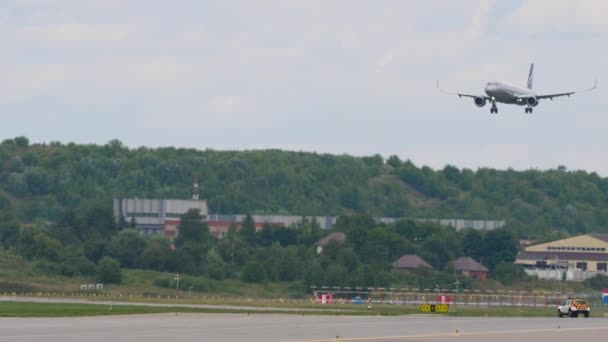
point(508, 93)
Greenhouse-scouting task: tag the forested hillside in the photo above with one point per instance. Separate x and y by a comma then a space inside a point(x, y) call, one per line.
point(39, 181)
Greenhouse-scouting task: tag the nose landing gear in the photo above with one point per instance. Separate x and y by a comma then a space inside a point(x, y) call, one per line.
point(528, 110)
point(494, 109)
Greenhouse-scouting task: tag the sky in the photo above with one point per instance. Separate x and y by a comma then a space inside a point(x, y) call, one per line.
point(342, 77)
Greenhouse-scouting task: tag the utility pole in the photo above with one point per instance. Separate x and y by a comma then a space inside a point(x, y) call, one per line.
point(177, 278)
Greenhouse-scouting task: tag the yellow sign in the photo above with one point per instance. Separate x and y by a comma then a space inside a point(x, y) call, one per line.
point(441, 308)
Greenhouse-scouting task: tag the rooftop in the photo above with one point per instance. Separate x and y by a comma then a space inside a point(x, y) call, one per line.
point(468, 264)
point(336, 236)
point(411, 261)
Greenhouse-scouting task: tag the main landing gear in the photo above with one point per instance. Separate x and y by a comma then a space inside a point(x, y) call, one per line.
point(528, 110)
point(494, 109)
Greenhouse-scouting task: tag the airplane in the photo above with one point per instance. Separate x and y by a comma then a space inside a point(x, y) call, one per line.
point(503, 92)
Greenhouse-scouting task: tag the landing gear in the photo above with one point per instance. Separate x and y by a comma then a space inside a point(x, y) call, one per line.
point(493, 110)
point(529, 110)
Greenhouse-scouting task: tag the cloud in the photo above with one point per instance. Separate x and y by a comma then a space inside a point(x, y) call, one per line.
point(71, 35)
point(340, 76)
point(558, 17)
point(20, 82)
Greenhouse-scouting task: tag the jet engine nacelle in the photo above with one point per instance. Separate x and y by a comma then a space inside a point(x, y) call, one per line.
point(532, 101)
point(480, 101)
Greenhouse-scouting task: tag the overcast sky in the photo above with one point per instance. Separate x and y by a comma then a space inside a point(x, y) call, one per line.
point(355, 77)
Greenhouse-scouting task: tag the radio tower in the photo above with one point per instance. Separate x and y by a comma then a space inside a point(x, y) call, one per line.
point(195, 189)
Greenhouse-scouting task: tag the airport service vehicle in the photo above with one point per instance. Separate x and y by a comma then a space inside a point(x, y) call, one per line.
point(573, 307)
point(504, 92)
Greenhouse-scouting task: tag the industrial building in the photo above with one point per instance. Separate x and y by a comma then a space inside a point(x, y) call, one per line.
point(162, 217)
point(159, 216)
point(575, 258)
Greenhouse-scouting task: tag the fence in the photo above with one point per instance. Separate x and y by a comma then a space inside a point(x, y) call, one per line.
point(335, 295)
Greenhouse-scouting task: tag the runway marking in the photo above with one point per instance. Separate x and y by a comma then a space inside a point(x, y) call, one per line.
point(453, 334)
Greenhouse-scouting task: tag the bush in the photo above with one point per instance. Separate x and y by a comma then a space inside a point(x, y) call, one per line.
point(508, 273)
point(109, 271)
point(253, 272)
point(599, 282)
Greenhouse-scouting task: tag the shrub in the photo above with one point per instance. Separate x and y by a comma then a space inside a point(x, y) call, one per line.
point(253, 272)
point(109, 271)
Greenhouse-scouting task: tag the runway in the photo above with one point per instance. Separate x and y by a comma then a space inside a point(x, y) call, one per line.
point(266, 327)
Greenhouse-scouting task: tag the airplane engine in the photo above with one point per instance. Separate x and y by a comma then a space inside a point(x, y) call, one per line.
point(480, 101)
point(532, 101)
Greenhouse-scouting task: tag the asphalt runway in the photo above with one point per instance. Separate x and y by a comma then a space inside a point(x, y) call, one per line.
point(267, 327)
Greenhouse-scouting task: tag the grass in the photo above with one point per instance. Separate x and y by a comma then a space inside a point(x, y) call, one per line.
point(21, 276)
point(30, 309)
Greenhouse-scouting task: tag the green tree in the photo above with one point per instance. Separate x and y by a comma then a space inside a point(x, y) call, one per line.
point(109, 271)
point(499, 246)
point(215, 265)
point(9, 232)
point(232, 248)
point(157, 254)
point(192, 229)
point(508, 273)
point(253, 272)
point(17, 184)
point(248, 230)
point(127, 247)
point(21, 142)
point(192, 243)
point(472, 244)
point(288, 263)
point(599, 282)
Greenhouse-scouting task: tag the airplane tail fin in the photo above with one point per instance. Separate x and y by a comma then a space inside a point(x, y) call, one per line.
point(531, 76)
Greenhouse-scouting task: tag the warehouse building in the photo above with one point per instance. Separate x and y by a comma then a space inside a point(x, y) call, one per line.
point(159, 216)
point(576, 258)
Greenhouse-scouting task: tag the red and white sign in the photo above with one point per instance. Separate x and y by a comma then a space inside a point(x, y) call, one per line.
point(443, 299)
point(325, 298)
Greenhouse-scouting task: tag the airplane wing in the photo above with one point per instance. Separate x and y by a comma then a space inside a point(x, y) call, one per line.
point(461, 94)
point(551, 96)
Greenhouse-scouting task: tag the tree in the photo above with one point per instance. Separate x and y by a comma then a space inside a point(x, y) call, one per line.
point(472, 244)
point(109, 271)
point(9, 232)
point(253, 272)
point(288, 262)
point(599, 282)
point(394, 161)
point(17, 184)
point(248, 230)
point(5, 203)
point(232, 248)
point(157, 254)
point(127, 247)
point(192, 229)
point(38, 181)
point(499, 246)
point(507, 273)
point(21, 142)
point(192, 242)
point(215, 265)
